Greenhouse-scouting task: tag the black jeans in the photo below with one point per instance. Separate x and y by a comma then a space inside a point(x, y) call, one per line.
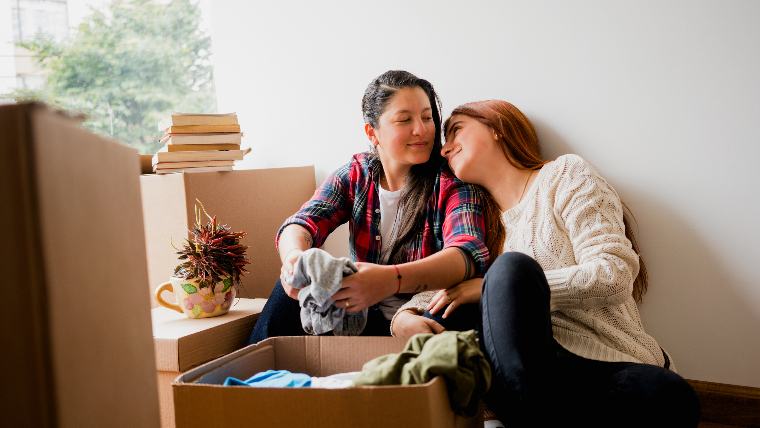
point(281, 316)
point(465, 317)
point(536, 382)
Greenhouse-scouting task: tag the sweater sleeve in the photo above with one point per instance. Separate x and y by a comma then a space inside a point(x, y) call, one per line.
point(606, 265)
point(416, 304)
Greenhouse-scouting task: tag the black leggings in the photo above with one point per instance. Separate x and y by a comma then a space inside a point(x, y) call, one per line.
point(536, 382)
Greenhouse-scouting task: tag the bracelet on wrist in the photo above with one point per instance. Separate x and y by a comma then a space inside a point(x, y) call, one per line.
point(398, 277)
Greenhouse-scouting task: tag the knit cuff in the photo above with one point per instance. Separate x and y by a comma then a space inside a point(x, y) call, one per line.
point(416, 304)
point(559, 286)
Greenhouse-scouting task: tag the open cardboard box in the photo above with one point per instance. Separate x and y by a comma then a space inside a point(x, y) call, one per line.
point(201, 400)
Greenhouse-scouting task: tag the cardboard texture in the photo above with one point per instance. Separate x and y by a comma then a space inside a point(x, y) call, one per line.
point(421, 406)
point(182, 343)
point(256, 201)
point(79, 352)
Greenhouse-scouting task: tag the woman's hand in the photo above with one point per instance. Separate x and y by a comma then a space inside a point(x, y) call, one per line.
point(286, 271)
point(407, 324)
point(370, 284)
point(458, 295)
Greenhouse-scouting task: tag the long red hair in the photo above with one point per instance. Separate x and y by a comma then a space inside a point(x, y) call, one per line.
point(519, 143)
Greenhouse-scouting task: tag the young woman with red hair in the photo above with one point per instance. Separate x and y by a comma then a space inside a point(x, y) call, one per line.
point(560, 322)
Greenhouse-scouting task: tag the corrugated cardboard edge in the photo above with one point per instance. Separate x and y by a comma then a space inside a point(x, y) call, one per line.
point(24, 403)
point(167, 354)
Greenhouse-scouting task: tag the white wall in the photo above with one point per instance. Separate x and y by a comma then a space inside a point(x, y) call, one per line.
point(662, 96)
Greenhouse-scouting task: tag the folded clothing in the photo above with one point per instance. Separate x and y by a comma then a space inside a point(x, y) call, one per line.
point(454, 355)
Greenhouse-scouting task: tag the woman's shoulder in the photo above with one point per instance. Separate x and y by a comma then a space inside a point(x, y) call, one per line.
point(570, 168)
point(449, 180)
point(452, 187)
point(571, 163)
point(360, 165)
point(576, 176)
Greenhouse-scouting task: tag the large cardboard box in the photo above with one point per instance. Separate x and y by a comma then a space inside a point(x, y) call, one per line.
point(76, 339)
point(182, 343)
point(418, 406)
point(256, 201)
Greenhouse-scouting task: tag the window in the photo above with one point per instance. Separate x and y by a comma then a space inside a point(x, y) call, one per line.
point(126, 64)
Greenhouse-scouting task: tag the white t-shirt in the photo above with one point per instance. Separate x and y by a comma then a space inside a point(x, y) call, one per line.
point(389, 218)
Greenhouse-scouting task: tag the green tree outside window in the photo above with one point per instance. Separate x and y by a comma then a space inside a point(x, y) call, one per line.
point(127, 67)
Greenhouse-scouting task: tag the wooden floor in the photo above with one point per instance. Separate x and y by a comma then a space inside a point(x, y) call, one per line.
point(714, 425)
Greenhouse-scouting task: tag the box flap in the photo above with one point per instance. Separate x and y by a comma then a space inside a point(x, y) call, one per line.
point(182, 343)
point(88, 198)
point(26, 346)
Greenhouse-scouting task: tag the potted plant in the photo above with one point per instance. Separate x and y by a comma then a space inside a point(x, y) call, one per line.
point(212, 260)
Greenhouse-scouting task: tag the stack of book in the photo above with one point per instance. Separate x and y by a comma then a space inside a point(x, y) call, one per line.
point(199, 143)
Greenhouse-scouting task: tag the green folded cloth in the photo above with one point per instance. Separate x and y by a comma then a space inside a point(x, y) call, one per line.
point(455, 355)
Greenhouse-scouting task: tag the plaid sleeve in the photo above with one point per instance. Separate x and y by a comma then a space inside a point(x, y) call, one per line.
point(326, 210)
point(464, 222)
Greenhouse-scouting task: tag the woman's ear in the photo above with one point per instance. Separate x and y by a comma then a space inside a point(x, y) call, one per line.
point(371, 135)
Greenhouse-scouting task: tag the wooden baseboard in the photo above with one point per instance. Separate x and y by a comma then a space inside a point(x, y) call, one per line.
point(728, 404)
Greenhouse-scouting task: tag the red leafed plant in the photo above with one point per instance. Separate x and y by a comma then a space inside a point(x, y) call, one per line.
point(213, 253)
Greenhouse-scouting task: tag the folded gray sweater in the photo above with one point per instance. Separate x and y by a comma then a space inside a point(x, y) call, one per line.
point(318, 275)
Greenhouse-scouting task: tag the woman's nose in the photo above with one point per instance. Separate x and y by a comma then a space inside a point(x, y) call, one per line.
point(446, 149)
point(419, 127)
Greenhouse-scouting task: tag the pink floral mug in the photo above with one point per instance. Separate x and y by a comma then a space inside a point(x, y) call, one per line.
point(197, 302)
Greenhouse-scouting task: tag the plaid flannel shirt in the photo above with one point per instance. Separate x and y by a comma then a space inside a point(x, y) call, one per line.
point(454, 216)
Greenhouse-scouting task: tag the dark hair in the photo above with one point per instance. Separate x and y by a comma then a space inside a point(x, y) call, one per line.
point(419, 184)
point(519, 143)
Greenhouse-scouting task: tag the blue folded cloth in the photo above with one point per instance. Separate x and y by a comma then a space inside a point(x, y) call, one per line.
point(272, 379)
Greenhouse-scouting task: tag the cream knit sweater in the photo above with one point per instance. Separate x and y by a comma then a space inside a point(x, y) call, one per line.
point(571, 222)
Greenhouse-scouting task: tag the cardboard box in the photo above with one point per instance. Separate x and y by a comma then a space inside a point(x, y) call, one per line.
point(256, 201)
point(76, 313)
point(420, 406)
point(182, 343)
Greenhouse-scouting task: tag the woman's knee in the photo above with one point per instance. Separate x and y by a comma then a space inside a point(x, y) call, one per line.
point(661, 392)
point(514, 263)
point(682, 399)
point(513, 270)
point(280, 316)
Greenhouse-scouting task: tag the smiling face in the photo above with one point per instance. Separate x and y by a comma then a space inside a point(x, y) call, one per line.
point(405, 131)
point(470, 148)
